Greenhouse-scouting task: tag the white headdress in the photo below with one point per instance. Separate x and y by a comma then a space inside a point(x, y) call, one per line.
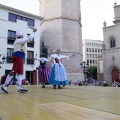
point(18, 34)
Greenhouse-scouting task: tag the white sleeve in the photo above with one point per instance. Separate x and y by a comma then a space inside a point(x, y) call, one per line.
point(38, 59)
point(26, 40)
point(46, 60)
point(51, 56)
point(64, 56)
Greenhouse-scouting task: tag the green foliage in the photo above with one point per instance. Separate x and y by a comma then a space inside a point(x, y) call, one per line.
point(92, 71)
point(106, 85)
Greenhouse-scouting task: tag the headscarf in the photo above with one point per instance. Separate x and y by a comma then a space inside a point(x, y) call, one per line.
point(18, 34)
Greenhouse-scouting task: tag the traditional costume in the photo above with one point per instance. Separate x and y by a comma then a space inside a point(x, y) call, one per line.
point(58, 73)
point(43, 71)
point(18, 61)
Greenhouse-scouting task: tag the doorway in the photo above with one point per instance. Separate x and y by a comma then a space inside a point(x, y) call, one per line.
point(29, 77)
point(115, 75)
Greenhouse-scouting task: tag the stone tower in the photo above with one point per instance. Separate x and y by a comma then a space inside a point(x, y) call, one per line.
point(61, 28)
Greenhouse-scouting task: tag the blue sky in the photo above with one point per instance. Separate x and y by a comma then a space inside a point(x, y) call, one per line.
point(94, 13)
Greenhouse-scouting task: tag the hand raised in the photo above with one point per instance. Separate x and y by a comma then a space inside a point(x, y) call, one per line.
point(34, 29)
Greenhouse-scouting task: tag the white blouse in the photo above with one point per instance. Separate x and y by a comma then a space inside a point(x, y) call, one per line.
point(42, 59)
point(59, 57)
point(19, 44)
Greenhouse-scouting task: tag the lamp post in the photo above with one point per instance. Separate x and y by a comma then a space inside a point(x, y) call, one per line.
point(85, 66)
point(3, 59)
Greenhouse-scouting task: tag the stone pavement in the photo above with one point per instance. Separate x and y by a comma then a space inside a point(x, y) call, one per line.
point(70, 103)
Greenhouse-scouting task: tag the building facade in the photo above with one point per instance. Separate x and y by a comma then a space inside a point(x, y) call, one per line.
point(91, 50)
point(100, 68)
point(111, 48)
point(61, 28)
point(12, 20)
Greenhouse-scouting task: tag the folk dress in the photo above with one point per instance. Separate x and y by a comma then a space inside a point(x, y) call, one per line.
point(43, 70)
point(58, 74)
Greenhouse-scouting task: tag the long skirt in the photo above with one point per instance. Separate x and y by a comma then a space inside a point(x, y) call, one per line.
point(43, 74)
point(58, 75)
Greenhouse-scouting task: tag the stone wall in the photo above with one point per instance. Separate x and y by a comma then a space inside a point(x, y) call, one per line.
point(61, 28)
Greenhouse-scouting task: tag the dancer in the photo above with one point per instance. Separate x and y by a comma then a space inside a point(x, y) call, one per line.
point(43, 70)
point(58, 73)
point(18, 61)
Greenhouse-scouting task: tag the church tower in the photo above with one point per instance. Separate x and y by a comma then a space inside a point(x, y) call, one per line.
point(61, 28)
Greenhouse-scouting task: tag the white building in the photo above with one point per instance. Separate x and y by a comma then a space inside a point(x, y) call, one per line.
point(12, 20)
point(91, 50)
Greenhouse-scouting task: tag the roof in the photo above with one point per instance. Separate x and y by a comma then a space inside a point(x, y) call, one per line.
point(20, 12)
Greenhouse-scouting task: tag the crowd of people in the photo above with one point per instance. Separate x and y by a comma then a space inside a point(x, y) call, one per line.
point(93, 83)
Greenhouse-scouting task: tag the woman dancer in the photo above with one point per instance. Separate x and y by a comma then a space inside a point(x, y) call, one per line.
point(43, 70)
point(58, 73)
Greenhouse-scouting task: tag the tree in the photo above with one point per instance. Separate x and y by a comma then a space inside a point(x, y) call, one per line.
point(92, 71)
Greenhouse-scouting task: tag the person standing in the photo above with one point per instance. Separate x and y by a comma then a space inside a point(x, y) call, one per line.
point(43, 70)
point(18, 61)
point(58, 74)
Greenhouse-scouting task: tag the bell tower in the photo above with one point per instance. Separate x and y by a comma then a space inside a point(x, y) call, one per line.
point(61, 28)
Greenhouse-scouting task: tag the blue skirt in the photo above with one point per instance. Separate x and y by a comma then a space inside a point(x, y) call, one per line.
point(58, 75)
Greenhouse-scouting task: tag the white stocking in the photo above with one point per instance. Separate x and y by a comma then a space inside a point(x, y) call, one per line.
point(19, 81)
point(8, 79)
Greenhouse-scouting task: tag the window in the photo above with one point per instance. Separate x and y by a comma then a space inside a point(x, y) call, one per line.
point(11, 37)
point(19, 17)
point(13, 17)
point(90, 61)
point(10, 52)
point(95, 49)
point(87, 49)
point(112, 42)
point(24, 18)
point(87, 61)
point(30, 22)
point(30, 57)
point(30, 44)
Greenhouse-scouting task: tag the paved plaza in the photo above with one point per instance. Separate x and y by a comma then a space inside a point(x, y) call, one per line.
point(70, 103)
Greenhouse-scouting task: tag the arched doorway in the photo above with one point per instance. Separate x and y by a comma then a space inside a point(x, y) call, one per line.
point(115, 75)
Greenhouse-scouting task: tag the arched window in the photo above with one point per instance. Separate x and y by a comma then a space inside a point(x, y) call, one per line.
point(112, 42)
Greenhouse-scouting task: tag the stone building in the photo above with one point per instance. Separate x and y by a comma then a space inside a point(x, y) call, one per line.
point(100, 68)
point(111, 48)
point(61, 28)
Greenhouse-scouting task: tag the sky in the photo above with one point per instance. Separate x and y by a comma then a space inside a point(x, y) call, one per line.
point(93, 13)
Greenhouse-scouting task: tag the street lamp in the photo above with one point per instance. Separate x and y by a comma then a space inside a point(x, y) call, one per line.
point(3, 60)
point(85, 66)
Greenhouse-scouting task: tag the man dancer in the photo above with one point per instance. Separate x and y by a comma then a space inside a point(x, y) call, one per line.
point(18, 61)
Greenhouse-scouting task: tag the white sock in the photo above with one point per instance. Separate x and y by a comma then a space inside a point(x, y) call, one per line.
point(19, 81)
point(8, 79)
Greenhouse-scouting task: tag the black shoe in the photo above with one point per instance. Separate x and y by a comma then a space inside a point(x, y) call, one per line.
point(4, 91)
point(54, 86)
point(43, 86)
point(22, 90)
point(59, 87)
point(63, 85)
